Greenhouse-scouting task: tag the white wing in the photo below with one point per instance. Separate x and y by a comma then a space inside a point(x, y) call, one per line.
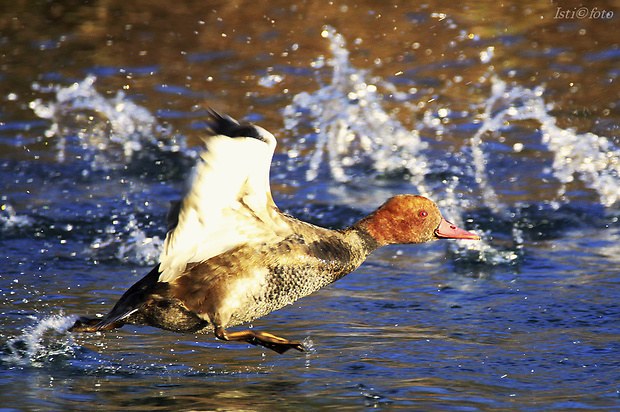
point(228, 204)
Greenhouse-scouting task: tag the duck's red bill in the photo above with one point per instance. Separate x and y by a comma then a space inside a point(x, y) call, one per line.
point(450, 231)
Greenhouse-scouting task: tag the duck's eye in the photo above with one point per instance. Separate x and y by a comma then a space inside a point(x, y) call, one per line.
point(423, 213)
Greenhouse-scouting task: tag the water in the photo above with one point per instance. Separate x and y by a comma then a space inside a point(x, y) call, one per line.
point(513, 131)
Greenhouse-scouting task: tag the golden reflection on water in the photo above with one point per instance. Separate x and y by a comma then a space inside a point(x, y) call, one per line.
point(178, 44)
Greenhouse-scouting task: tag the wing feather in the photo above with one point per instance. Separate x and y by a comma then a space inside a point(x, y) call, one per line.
point(228, 204)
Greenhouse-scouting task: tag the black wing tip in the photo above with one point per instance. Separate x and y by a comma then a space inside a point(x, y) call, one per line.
point(225, 125)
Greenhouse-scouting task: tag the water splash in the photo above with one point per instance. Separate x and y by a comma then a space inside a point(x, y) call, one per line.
point(111, 131)
point(10, 219)
point(140, 249)
point(351, 126)
point(130, 243)
point(592, 159)
point(352, 129)
point(36, 346)
point(588, 157)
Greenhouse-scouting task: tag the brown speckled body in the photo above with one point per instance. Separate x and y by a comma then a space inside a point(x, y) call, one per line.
point(253, 280)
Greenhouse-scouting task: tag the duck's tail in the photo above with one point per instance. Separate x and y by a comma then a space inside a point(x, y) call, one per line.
point(127, 305)
point(84, 324)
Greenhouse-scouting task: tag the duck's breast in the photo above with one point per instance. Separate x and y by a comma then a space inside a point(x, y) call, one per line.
point(250, 281)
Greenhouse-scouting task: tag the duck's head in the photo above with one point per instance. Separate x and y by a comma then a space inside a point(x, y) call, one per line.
point(410, 219)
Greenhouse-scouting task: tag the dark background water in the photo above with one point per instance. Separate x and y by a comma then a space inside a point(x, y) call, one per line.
point(507, 114)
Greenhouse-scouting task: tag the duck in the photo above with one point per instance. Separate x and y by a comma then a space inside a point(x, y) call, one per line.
point(231, 256)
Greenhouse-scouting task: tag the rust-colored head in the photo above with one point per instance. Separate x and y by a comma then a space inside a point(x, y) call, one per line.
point(410, 219)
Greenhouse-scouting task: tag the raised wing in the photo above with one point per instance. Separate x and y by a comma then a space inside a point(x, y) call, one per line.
point(229, 202)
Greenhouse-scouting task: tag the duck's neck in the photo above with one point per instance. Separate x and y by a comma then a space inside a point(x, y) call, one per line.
point(361, 240)
point(351, 249)
point(336, 252)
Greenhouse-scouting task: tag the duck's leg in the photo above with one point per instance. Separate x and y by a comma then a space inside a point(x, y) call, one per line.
point(265, 339)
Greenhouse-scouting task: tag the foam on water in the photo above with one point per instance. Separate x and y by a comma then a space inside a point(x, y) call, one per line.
point(111, 130)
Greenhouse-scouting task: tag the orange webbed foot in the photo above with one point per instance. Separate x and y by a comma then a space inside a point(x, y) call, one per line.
point(266, 339)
